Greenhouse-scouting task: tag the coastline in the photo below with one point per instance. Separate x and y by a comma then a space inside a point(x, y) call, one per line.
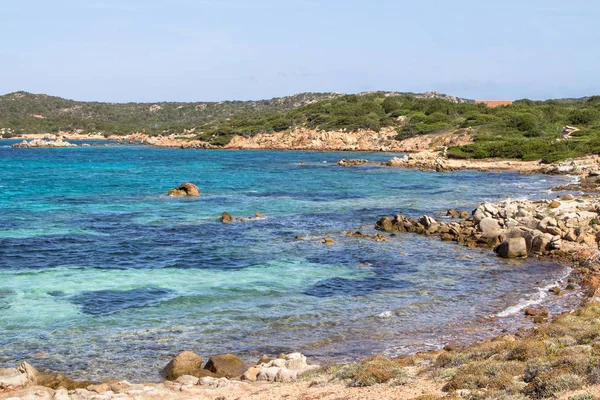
point(426, 152)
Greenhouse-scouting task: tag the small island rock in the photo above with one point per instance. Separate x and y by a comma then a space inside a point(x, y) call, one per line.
point(185, 189)
point(226, 217)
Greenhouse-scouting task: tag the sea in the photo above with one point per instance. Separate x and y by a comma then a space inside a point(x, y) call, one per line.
point(103, 275)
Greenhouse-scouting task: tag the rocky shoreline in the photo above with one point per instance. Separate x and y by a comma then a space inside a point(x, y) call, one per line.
point(426, 152)
point(437, 161)
point(184, 378)
point(513, 229)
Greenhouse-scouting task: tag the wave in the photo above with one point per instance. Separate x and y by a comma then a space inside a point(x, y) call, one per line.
point(538, 297)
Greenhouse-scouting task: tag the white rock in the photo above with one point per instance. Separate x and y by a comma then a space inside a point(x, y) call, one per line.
point(295, 361)
point(286, 375)
point(13, 377)
point(268, 374)
point(183, 379)
point(61, 394)
point(279, 363)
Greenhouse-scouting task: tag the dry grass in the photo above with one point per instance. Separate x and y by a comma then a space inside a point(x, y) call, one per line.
point(379, 369)
point(371, 371)
point(561, 356)
point(486, 374)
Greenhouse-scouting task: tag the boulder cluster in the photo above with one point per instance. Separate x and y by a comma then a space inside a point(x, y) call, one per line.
point(424, 160)
point(513, 228)
point(184, 373)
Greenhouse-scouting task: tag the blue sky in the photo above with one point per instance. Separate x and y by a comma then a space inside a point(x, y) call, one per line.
point(193, 50)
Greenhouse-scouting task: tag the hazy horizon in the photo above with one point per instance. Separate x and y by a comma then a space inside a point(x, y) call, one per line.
point(215, 50)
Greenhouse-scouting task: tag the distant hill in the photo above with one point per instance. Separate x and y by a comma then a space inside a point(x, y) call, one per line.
point(523, 129)
point(23, 112)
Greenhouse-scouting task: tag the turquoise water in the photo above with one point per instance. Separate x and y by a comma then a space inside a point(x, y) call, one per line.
point(103, 275)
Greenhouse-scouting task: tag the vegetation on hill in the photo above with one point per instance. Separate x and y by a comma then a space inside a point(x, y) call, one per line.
point(527, 130)
point(23, 112)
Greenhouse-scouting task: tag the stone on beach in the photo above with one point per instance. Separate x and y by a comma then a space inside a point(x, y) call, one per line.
point(21, 376)
point(286, 368)
point(185, 363)
point(226, 365)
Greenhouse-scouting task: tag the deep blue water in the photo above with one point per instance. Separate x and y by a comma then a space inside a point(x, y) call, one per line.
point(102, 274)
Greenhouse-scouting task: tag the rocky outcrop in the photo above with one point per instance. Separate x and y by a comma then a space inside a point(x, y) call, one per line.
point(226, 217)
point(186, 379)
point(183, 141)
point(185, 363)
point(437, 160)
point(514, 228)
point(567, 131)
point(185, 189)
point(41, 143)
point(426, 160)
point(343, 140)
point(21, 376)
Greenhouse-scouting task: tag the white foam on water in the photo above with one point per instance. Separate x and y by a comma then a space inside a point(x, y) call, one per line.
point(537, 298)
point(385, 314)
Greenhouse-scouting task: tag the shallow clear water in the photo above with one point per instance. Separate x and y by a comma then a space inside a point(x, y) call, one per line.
point(103, 275)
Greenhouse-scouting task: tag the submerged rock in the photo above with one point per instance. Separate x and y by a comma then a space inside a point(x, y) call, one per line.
point(328, 241)
point(185, 189)
point(352, 163)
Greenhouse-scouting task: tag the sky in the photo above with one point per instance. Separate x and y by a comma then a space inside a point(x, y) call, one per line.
point(212, 50)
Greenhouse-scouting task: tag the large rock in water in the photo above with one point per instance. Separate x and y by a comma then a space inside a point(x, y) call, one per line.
point(185, 189)
point(226, 365)
point(185, 363)
point(512, 248)
point(226, 217)
point(489, 227)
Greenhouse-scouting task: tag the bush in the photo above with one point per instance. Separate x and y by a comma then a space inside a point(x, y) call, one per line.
point(485, 374)
point(374, 370)
point(583, 116)
point(527, 349)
